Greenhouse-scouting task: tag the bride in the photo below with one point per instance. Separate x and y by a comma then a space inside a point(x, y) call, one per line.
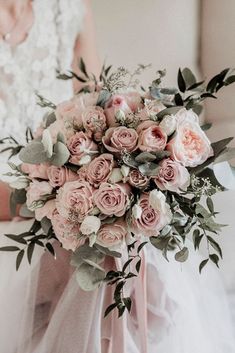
point(42, 308)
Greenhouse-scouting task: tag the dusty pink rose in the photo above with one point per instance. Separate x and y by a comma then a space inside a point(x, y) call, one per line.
point(120, 139)
point(35, 170)
point(116, 103)
point(172, 176)
point(84, 100)
point(151, 137)
point(69, 113)
point(66, 232)
point(80, 145)
point(99, 170)
point(36, 191)
point(82, 173)
point(94, 122)
point(46, 210)
point(112, 235)
point(60, 127)
point(189, 145)
point(112, 199)
point(150, 221)
point(151, 108)
point(59, 175)
point(138, 180)
point(74, 200)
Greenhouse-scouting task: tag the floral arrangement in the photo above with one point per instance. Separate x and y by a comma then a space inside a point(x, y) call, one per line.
point(116, 167)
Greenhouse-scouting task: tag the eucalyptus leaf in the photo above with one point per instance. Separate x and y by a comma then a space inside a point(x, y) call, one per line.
point(168, 111)
point(182, 255)
point(107, 252)
point(104, 96)
point(19, 259)
point(61, 154)
point(149, 169)
point(188, 76)
point(25, 212)
point(85, 252)
point(33, 153)
point(145, 157)
point(89, 277)
point(50, 119)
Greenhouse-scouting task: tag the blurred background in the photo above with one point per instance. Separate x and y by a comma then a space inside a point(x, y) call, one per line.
point(199, 34)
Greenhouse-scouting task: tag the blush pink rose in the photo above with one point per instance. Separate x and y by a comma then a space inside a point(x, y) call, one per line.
point(84, 100)
point(99, 170)
point(80, 145)
point(59, 175)
point(46, 210)
point(112, 199)
point(150, 221)
point(74, 200)
point(151, 137)
point(112, 235)
point(172, 176)
point(189, 145)
point(35, 170)
point(120, 139)
point(116, 103)
point(37, 190)
point(66, 232)
point(62, 128)
point(138, 180)
point(94, 122)
point(69, 113)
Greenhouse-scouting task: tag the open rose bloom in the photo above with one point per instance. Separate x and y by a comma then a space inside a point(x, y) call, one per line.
point(116, 166)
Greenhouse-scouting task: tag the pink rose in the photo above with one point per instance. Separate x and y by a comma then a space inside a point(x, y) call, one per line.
point(94, 122)
point(138, 180)
point(150, 220)
point(80, 145)
point(74, 200)
point(62, 128)
point(46, 210)
point(37, 190)
point(112, 199)
point(172, 176)
point(35, 170)
point(116, 103)
point(69, 113)
point(84, 100)
point(82, 173)
point(59, 175)
point(66, 232)
point(112, 235)
point(189, 145)
point(151, 137)
point(120, 139)
point(99, 170)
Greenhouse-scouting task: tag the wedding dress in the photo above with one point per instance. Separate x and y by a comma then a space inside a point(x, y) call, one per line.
point(42, 308)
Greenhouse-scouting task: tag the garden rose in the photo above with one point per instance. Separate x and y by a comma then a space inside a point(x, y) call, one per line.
point(81, 145)
point(189, 145)
point(151, 137)
point(66, 232)
point(94, 122)
point(112, 199)
point(138, 180)
point(74, 200)
point(112, 235)
point(120, 139)
point(91, 224)
point(59, 175)
point(36, 191)
point(99, 170)
point(46, 210)
point(35, 170)
point(69, 113)
point(152, 219)
point(172, 176)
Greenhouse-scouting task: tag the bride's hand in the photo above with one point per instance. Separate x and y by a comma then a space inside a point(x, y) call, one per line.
point(4, 202)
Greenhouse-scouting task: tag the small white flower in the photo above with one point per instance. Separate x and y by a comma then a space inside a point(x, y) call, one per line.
point(158, 202)
point(120, 115)
point(168, 124)
point(47, 142)
point(85, 160)
point(20, 183)
point(125, 170)
point(116, 176)
point(136, 211)
point(90, 225)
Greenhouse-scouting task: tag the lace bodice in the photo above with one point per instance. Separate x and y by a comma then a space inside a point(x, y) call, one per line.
point(31, 66)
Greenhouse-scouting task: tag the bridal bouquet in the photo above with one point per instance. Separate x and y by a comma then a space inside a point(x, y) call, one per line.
point(116, 167)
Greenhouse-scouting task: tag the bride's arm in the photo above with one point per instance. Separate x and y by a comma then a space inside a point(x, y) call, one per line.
point(85, 46)
point(4, 202)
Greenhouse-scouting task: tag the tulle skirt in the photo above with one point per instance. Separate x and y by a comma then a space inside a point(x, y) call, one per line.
point(175, 310)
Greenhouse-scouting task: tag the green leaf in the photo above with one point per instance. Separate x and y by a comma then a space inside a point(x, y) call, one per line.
point(85, 252)
point(50, 119)
point(168, 111)
point(88, 277)
point(82, 67)
point(202, 265)
point(210, 205)
point(51, 249)
point(215, 245)
point(127, 263)
point(33, 153)
point(30, 251)
point(181, 82)
point(149, 169)
point(189, 77)
point(137, 266)
point(127, 302)
point(110, 308)
point(104, 96)
point(61, 154)
point(182, 255)
point(206, 127)
point(215, 259)
point(16, 238)
point(9, 248)
point(107, 252)
point(19, 259)
point(179, 100)
point(140, 247)
point(219, 146)
point(230, 80)
point(145, 157)
point(226, 155)
point(197, 238)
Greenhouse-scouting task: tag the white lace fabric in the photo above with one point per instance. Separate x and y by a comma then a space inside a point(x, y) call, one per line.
point(31, 66)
